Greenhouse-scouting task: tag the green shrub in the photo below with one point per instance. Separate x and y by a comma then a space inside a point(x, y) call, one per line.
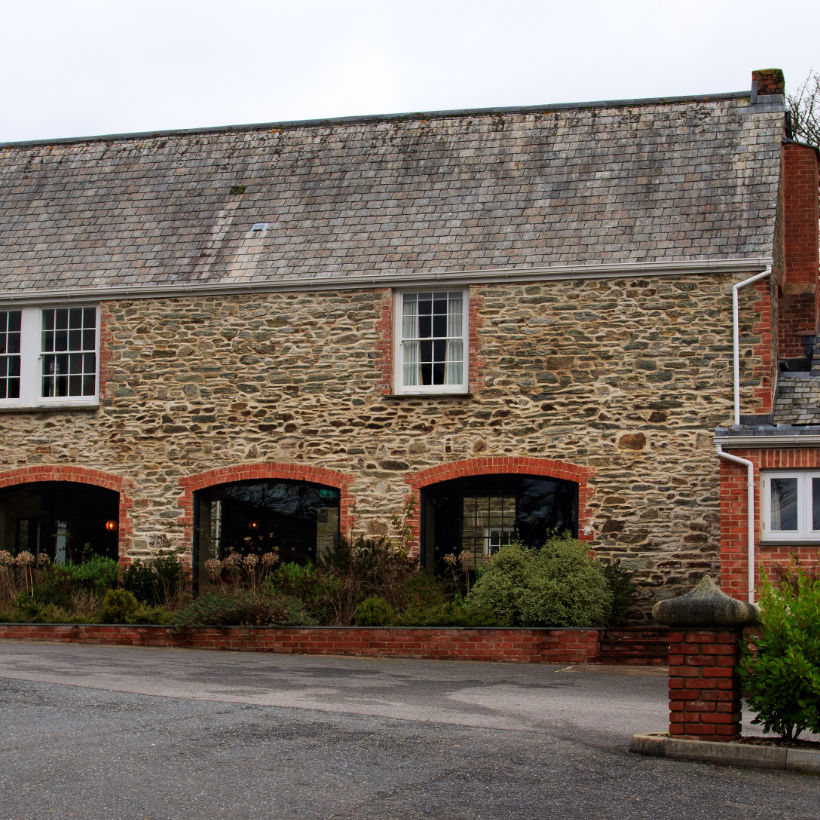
point(58, 583)
point(118, 606)
point(298, 581)
point(374, 611)
point(780, 673)
point(355, 570)
point(242, 608)
point(422, 590)
point(29, 610)
point(162, 581)
point(556, 585)
point(623, 590)
point(448, 613)
point(151, 615)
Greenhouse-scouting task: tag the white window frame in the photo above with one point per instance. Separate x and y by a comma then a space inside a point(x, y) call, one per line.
point(804, 531)
point(497, 537)
point(399, 386)
point(32, 358)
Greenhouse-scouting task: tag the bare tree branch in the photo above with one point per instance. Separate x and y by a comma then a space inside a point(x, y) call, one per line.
point(804, 107)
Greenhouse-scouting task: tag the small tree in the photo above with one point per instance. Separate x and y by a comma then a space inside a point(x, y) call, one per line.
point(780, 672)
point(804, 107)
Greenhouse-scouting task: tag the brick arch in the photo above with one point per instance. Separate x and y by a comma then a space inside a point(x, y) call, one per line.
point(542, 467)
point(81, 475)
point(266, 470)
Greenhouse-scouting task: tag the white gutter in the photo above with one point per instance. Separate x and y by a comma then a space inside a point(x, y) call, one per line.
point(750, 516)
point(736, 335)
point(331, 281)
point(769, 440)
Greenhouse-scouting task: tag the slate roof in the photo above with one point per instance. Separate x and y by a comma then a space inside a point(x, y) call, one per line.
point(606, 183)
point(798, 399)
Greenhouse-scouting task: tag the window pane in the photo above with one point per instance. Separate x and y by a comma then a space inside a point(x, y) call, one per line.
point(783, 497)
point(10, 354)
point(455, 364)
point(411, 363)
point(73, 373)
point(435, 320)
point(488, 522)
point(815, 504)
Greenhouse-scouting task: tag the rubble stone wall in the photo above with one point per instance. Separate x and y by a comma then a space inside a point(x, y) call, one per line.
point(624, 378)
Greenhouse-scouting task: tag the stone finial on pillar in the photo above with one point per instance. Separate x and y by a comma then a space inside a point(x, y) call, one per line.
point(705, 626)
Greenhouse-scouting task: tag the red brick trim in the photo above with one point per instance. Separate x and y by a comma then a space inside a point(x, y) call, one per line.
point(475, 362)
point(81, 475)
point(545, 467)
point(385, 344)
point(106, 338)
point(734, 561)
point(266, 470)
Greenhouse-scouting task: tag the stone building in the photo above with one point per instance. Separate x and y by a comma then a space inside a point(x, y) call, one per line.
point(520, 319)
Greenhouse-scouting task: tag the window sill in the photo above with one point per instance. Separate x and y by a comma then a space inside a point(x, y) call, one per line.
point(47, 408)
point(789, 542)
point(401, 396)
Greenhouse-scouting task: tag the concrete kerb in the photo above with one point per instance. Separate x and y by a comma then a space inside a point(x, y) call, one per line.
point(749, 755)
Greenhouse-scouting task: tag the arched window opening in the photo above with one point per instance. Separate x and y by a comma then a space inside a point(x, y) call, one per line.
point(473, 517)
point(298, 518)
point(68, 521)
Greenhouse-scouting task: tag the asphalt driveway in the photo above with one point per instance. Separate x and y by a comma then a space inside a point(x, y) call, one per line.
point(129, 732)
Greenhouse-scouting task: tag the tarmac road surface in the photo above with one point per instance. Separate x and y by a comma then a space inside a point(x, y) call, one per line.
point(130, 732)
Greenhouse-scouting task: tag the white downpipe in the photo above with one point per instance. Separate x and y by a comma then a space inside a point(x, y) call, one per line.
point(736, 334)
point(750, 470)
point(750, 516)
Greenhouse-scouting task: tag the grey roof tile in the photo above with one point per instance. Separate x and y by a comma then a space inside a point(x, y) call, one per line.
point(687, 179)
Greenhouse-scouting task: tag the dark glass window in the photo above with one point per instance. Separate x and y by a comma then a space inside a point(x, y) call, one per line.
point(299, 519)
point(69, 522)
point(475, 516)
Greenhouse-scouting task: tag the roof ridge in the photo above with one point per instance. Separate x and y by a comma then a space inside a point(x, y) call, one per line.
point(397, 117)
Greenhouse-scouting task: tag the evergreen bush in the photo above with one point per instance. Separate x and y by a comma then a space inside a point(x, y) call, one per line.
point(226, 607)
point(555, 585)
point(374, 611)
point(780, 671)
point(118, 606)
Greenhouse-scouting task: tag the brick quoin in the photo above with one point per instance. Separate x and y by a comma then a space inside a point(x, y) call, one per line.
point(82, 475)
point(733, 548)
point(262, 471)
point(506, 465)
point(106, 337)
point(384, 327)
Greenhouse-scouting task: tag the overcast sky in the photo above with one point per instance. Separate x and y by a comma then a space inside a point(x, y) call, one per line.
point(80, 67)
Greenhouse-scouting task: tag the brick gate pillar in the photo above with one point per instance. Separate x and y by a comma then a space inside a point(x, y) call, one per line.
point(705, 627)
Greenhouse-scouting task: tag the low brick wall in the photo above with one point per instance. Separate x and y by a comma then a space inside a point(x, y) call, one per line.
point(454, 643)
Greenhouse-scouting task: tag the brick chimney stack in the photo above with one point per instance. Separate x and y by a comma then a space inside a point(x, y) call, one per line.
point(767, 81)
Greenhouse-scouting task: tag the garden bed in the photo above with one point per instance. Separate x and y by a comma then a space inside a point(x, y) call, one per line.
point(512, 645)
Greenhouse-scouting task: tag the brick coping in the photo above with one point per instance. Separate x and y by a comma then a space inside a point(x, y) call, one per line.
point(504, 644)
